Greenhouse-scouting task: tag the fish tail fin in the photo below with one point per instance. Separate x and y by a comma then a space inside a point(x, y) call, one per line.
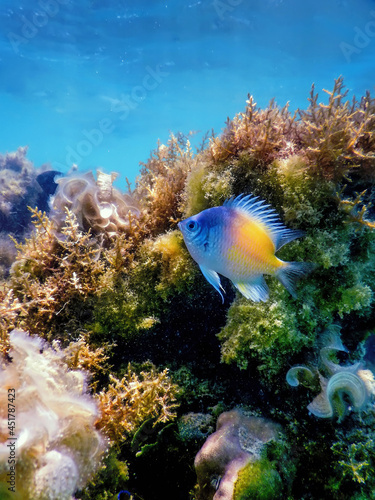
point(291, 272)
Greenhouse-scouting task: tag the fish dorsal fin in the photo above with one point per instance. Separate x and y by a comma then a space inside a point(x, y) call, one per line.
point(256, 290)
point(213, 278)
point(257, 209)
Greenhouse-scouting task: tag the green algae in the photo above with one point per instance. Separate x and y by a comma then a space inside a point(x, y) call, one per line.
point(259, 481)
point(112, 478)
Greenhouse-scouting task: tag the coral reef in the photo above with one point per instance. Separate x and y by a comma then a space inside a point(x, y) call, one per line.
point(195, 426)
point(237, 442)
point(53, 275)
point(332, 138)
point(57, 447)
point(19, 189)
point(108, 281)
point(128, 402)
point(161, 184)
point(294, 183)
point(345, 386)
point(227, 463)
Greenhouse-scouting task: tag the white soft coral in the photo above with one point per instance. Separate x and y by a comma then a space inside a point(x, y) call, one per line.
point(57, 445)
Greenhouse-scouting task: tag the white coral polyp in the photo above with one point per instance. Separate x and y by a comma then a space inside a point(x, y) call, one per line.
point(57, 479)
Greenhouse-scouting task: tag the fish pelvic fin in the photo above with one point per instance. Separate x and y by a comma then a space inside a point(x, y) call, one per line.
point(213, 278)
point(291, 272)
point(256, 289)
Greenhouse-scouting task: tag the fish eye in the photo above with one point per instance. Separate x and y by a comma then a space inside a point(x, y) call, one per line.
point(192, 225)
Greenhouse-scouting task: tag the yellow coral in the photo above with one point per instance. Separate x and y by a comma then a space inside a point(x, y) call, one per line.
point(160, 186)
point(332, 138)
point(78, 355)
point(133, 399)
point(265, 134)
point(355, 209)
point(336, 135)
point(10, 307)
point(52, 272)
point(175, 264)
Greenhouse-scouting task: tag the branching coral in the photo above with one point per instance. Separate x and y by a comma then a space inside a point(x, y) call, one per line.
point(58, 447)
point(133, 399)
point(338, 135)
point(78, 355)
point(356, 208)
point(52, 273)
point(161, 183)
point(354, 457)
point(263, 134)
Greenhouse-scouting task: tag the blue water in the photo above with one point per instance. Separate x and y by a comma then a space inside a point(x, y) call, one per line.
point(97, 83)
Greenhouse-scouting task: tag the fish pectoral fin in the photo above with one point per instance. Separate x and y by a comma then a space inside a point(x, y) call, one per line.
point(256, 289)
point(213, 278)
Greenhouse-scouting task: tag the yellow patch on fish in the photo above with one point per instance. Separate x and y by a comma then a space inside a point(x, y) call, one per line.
point(252, 247)
point(239, 241)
